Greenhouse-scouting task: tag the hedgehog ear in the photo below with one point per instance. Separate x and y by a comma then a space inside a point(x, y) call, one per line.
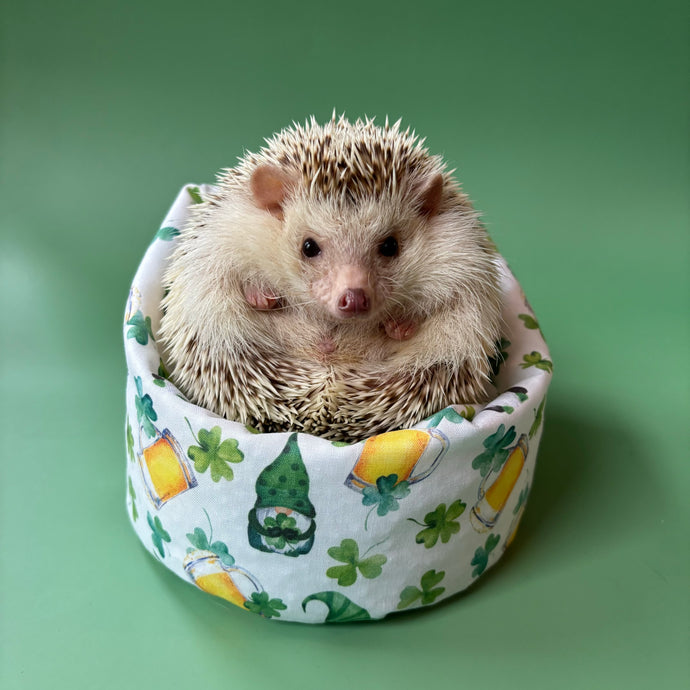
point(270, 187)
point(430, 192)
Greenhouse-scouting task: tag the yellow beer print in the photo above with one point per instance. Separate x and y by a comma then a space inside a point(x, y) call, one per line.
point(227, 582)
point(492, 500)
point(411, 454)
point(165, 469)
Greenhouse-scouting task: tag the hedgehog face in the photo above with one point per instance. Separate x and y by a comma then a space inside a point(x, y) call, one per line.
point(370, 225)
point(353, 262)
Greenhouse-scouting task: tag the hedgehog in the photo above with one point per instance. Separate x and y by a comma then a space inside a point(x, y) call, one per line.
point(338, 283)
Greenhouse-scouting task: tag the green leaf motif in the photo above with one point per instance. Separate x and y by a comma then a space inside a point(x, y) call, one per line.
point(468, 413)
point(497, 450)
point(520, 392)
point(529, 321)
point(340, 608)
point(199, 540)
point(448, 413)
point(534, 359)
point(146, 415)
point(212, 453)
point(262, 604)
point(522, 499)
point(386, 494)
point(195, 194)
point(481, 555)
point(166, 234)
point(538, 417)
point(133, 496)
point(130, 441)
point(163, 374)
point(158, 533)
point(348, 553)
point(428, 592)
point(440, 524)
point(339, 444)
point(140, 328)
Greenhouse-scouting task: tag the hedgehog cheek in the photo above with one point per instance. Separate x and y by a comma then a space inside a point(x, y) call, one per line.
point(271, 187)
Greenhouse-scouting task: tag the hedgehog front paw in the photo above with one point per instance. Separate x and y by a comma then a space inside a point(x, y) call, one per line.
point(261, 298)
point(400, 330)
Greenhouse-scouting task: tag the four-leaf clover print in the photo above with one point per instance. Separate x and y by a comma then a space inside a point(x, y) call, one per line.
point(213, 453)
point(348, 553)
point(440, 523)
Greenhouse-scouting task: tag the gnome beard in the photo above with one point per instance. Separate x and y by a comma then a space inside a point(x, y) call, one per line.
point(282, 520)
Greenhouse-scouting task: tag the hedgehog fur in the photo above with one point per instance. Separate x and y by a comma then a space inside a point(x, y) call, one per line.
point(386, 218)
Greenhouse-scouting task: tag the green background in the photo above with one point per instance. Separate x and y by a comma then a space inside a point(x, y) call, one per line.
point(567, 125)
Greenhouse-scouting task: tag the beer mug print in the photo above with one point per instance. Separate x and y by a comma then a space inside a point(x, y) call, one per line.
point(410, 454)
point(164, 468)
point(492, 500)
point(231, 583)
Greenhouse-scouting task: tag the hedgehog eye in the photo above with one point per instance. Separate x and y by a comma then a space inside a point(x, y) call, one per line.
point(389, 247)
point(310, 249)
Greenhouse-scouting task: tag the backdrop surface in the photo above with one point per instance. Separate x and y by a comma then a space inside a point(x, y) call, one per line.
point(567, 125)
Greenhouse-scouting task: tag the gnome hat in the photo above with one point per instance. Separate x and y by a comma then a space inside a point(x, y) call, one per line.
point(285, 482)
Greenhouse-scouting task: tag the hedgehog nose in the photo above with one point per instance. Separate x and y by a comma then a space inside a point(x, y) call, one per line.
point(353, 302)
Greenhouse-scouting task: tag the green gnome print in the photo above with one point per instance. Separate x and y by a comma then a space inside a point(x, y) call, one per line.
point(282, 520)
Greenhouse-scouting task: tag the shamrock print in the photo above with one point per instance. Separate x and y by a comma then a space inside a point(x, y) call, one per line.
point(146, 415)
point(529, 321)
point(385, 495)
point(481, 555)
point(166, 234)
point(497, 449)
point(130, 441)
point(534, 359)
point(428, 592)
point(163, 374)
point(538, 416)
point(195, 194)
point(133, 496)
point(348, 553)
point(263, 605)
point(448, 413)
point(199, 540)
point(158, 534)
point(140, 328)
point(440, 523)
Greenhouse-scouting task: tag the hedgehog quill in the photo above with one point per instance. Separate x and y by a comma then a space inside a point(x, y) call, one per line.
point(338, 282)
